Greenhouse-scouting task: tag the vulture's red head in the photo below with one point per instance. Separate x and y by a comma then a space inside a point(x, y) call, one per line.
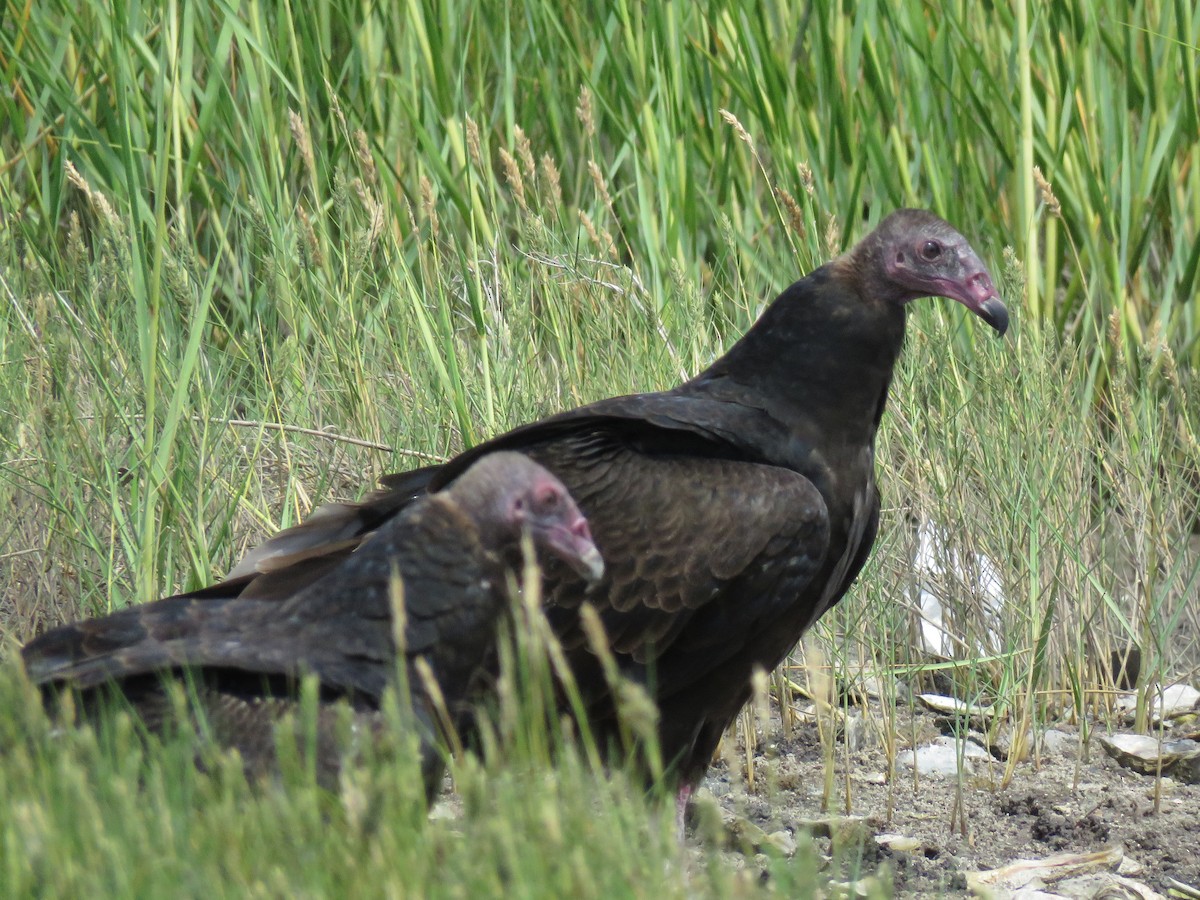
point(510, 494)
point(915, 254)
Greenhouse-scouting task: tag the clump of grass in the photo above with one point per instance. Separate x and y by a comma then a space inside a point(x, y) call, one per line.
point(102, 811)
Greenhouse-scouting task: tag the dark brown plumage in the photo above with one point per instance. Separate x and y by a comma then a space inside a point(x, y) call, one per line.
point(452, 551)
point(731, 511)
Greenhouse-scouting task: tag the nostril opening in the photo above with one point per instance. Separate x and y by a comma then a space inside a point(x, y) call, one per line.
point(580, 529)
point(981, 282)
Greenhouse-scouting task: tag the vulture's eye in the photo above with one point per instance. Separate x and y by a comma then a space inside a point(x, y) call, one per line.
point(932, 250)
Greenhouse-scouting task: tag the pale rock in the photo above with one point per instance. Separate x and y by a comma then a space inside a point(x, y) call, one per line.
point(1146, 755)
point(1166, 703)
point(942, 757)
point(898, 843)
point(1041, 874)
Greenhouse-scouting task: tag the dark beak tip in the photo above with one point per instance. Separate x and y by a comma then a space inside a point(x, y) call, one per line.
point(995, 313)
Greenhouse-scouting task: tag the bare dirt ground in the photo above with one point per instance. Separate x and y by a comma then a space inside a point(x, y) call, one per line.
point(948, 827)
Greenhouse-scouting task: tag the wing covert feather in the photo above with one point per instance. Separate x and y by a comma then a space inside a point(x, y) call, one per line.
point(701, 552)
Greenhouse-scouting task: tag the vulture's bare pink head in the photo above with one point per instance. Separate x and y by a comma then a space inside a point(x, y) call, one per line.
point(516, 495)
point(913, 253)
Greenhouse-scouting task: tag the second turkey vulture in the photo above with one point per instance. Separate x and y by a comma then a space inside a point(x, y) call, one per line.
point(451, 554)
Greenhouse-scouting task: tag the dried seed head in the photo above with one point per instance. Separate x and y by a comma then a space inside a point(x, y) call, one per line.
point(367, 239)
point(586, 221)
point(360, 191)
point(412, 216)
point(429, 206)
point(584, 112)
point(601, 185)
point(552, 180)
point(336, 106)
point(742, 133)
point(99, 203)
point(1170, 366)
point(366, 161)
point(512, 174)
point(473, 143)
point(341, 192)
point(806, 179)
point(1047, 191)
point(600, 239)
point(792, 208)
point(303, 144)
point(1116, 338)
point(525, 153)
point(310, 247)
point(77, 254)
point(833, 236)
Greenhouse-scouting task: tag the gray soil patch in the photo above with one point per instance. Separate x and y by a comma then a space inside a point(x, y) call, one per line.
point(1066, 801)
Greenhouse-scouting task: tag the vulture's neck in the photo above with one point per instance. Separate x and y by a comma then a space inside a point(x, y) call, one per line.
point(819, 360)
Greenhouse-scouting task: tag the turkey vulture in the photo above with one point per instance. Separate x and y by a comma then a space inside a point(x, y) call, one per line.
point(452, 552)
